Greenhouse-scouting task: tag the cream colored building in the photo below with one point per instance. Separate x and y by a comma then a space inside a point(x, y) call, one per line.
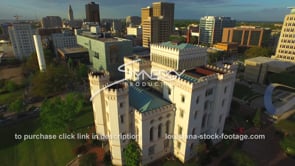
point(286, 46)
point(134, 31)
point(175, 103)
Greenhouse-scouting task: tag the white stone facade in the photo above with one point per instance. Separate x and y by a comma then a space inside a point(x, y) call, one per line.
point(198, 102)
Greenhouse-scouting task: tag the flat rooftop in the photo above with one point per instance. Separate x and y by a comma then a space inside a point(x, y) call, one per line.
point(272, 62)
point(260, 59)
point(73, 50)
point(194, 74)
point(101, 37)
point(142, 57)
point(145, 100)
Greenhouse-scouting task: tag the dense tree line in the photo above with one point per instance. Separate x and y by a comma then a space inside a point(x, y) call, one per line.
point(57, 114)
point(258, 51)
point(57, 78)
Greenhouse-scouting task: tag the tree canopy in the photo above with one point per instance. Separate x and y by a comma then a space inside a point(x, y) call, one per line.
point(16, 106)
point(175, 38)
point(258, 51)
point(58, 114)
point(52, 81)
point(31, 64)
point(132, 154)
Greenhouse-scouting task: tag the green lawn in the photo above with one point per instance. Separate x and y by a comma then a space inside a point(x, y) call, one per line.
point(38, 152)
point(84, 119)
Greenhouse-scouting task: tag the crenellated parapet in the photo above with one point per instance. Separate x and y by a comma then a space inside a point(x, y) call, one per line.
point(98, 78)
point(164, 48)
point(218, 69)
point(176, 81)
point(116, 90)
point(184, 84)
point(222, 73)
point(137, 61)
point(160, 110)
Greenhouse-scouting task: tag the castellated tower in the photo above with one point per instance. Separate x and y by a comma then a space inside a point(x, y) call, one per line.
point(118, 119)
point(97, 81)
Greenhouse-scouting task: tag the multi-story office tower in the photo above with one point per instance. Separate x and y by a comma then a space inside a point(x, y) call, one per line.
point(167, 11)
point(133, 20)
point(71, 14)
point(51, 22)
point(105, 52)
point(211, 28)
point(157, 23)
point(21, 36)
point(63, 40)
point(286, 46)
point(92, 12)
point(184, 105)
point(247, 36)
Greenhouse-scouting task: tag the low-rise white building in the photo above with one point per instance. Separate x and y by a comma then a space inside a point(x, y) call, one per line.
point(163, 100)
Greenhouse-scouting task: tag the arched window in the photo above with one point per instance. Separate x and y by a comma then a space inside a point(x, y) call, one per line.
point(159, 130)
point(204, 120)
point(167, 127)
point(151, 134)
point(193, 132)
point(195, 115)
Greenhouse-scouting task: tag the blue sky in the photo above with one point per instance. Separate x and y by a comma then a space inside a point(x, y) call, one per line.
point(256, 10)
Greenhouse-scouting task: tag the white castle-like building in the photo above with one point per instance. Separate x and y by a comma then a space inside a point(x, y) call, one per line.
point(176, 102)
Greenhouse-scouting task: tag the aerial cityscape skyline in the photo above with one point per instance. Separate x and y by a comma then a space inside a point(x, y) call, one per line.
point(188, 9)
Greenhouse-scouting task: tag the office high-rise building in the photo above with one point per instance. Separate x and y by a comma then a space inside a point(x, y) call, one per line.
point(286, 46)
point(247, 36)
point(167, 11)
point(71, 15)
point(21, 36)
point(157, 23)
point(211, 28)
point(51, 22)
point(92, 12)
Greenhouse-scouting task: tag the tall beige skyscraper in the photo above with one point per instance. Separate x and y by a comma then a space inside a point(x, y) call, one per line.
point(157, 23)
point(286, 46)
